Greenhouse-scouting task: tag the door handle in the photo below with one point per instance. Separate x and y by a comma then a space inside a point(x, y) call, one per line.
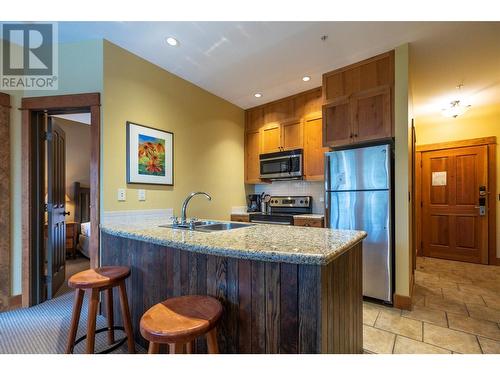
point(65, 213)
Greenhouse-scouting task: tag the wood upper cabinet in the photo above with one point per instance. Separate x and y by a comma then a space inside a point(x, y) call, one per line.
point(358, 102)
point(291, 134)
point(254, 118)
point(371, 114)
point(252, 152)
point(337, 124)
point(280, 126)
point(283, 136)
point(271, 138)
point(313, 149)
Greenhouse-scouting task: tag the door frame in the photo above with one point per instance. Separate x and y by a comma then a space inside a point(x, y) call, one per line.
point(491, 143)
point(5, 204)
point(90, 102)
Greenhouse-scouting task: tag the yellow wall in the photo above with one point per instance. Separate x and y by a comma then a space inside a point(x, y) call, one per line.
point(402, 171)
point(208, 137)
point(479, 121)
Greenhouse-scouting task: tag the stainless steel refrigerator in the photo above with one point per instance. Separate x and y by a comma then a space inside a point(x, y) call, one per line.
point(358, 196)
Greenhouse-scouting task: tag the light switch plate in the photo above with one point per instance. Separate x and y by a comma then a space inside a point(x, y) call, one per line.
point(141, 194)
point(122, 195)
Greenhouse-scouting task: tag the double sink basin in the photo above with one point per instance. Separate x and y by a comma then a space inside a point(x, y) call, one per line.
point(207, 226)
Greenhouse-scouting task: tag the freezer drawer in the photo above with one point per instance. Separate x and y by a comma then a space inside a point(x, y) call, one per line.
point(365, 168)
point(368, 211)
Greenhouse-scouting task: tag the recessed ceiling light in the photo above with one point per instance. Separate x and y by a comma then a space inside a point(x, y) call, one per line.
point(258, 95)
point(172, 41)
point(306, 78)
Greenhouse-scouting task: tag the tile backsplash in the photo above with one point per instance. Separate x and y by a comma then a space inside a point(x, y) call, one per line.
point(316, 189)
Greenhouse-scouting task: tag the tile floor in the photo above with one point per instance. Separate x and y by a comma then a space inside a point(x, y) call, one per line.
point(456, 310)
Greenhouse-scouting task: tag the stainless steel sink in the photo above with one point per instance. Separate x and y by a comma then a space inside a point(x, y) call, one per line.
point(221, 226)
point(207, 226)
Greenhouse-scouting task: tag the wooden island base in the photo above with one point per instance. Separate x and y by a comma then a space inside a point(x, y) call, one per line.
point(268, 307)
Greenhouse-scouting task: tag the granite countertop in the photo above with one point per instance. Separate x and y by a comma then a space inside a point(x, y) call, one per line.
point(264, 242)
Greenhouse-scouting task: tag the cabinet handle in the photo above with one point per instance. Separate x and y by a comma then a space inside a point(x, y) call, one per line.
point(355, 136)
point(350, 136)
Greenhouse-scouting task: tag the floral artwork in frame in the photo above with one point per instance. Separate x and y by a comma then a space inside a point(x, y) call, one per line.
point(150, 154)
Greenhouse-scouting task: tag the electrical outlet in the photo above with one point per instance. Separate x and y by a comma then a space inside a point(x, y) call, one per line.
point(141, 194)
point(122, 195)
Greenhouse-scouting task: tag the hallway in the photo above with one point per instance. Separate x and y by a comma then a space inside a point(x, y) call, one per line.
point(456, 309)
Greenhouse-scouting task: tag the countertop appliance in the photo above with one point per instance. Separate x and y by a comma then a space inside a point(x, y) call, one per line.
point(253, 203)
point(282, 209)
point(281, 165)
point(358, 189)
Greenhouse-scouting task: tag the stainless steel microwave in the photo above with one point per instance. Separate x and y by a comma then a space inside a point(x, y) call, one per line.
point(281, 165)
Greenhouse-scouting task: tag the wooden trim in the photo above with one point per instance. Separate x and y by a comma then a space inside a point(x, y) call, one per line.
point(15, 302)
point(61, 102)
point(4, 100)
point(417, 227)
point(95, 173)
point(498, 262)
point(26, 208)
point(290, 97)
point(402, 302)
point(5, 202)
point(456, 144)
point(492, 203)
point(87, 102)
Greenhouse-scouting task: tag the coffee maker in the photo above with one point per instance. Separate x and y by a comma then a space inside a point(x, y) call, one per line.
point(253, 202)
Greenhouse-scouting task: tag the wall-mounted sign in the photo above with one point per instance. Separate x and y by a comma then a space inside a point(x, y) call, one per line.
point(438, 178)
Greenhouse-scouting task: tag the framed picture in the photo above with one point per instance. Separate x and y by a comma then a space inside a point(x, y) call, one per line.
point(150, 155)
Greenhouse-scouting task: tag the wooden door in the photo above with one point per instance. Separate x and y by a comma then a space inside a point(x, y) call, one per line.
point(271, 138)
point(252, 151)
point(371, 114)
point(56, 209)
point(337, 123)
point(452, 225)
point(314, 152)
point(291, 135)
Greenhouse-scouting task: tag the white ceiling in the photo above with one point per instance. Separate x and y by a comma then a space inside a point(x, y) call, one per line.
point(234, 60)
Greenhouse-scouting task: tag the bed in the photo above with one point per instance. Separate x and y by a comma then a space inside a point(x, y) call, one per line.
point(82, 217)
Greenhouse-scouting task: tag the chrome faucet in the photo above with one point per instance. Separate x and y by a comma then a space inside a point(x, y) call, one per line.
point(186, 201)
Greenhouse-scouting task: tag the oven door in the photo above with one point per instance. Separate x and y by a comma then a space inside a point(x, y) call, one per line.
point(271, 219)
point(281, 167)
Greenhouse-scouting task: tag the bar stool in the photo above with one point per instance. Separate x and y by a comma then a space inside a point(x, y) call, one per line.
point(97, 280)
point(178, 321)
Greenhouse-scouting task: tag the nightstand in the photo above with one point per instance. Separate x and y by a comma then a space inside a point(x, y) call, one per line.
point(71, 233)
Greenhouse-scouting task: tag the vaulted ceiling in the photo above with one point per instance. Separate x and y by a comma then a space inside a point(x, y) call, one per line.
point(234, 60)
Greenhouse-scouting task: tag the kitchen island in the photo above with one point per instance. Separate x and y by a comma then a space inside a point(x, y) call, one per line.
point(284, 289)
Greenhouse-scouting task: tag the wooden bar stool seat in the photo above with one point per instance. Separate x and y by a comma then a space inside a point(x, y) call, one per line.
point(178, 321)
point(96, 280)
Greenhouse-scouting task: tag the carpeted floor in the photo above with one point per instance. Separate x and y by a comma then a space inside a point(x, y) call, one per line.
point(43, 329)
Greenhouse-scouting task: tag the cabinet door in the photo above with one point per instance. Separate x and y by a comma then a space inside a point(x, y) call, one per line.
point(337, 123)
point(314, 152)
point(372, 114)
point(254, 118)
point(271, 138)
point(252, 151)
point(291, 135)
